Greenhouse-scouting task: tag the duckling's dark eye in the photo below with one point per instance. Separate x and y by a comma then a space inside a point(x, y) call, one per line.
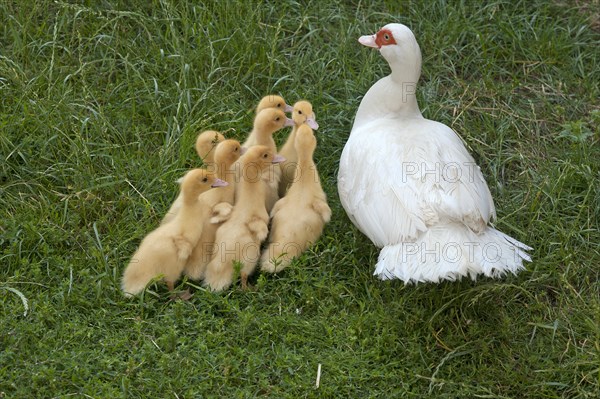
point(265, 155)
point(300, 112)
point(277, 119)
point(205, 180)
point(278, 105)
point(236, 149)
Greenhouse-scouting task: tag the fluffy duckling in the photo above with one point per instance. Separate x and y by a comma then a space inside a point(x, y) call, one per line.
point(221, 202)
point(273, 101)
point(302, 113)
point(267, 122)
point(206, 143)
point(165, 250)
point(299, 217)
point(239, 238)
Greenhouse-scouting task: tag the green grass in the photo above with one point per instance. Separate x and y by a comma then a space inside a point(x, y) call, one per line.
point(100, 103)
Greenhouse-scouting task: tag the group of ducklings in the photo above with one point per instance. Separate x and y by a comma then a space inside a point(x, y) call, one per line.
point(245, 195)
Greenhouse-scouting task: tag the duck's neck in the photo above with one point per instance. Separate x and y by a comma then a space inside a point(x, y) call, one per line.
point(224, 171)
point(388, 99)
point(265, 138)
point(251, 190)
point(406, 91)
point(394, 96)
point(406, 71)
point(190, 209)
point(306, 170)
point(289, 143)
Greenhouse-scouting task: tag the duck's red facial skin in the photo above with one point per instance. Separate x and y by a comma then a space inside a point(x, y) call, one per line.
point(384, 37)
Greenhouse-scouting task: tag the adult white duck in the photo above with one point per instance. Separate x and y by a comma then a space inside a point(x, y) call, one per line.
point(410, 185)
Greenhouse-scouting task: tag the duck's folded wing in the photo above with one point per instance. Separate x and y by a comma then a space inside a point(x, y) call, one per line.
point(419, 177)
point(463, 192)
point(377, 194)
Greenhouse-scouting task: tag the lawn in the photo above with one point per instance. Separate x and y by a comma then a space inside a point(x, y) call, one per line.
point(100, 104)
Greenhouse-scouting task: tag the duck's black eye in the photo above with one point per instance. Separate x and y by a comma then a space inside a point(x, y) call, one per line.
point(300, 112)
point(265, 155)
point(205, 180)
point(386, 36)
point(277, 119)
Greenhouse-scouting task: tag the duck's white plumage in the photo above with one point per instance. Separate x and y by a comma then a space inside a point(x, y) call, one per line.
point(410, 185)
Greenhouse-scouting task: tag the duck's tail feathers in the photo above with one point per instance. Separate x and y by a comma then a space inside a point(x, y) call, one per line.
point(450, 252)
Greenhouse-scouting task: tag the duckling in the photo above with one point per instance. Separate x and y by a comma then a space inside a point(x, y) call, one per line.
point(273, 101)
point(267, 122)
point(302, 113)
point(221, 202)
point(205, 145)
point(165, 250)
point(299, 217)
point(239, 238)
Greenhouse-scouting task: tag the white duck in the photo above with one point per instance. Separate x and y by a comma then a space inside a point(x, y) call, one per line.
point(409, 184)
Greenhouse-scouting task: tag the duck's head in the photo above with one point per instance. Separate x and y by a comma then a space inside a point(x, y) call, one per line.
point(206, 142)
point(261, 157)
point(228, 151)
point(303, 113)
point(197, 181)
point(305, 142)
point(273, 101)
point(270, 120)
point(398, 45)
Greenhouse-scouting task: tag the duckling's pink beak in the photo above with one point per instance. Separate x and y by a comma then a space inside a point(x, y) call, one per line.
point(368, 40)
point(278, 159)
point(243, 150)
point(288, 108)
point(289, 122)
point(219, 183)
point(312, 123)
